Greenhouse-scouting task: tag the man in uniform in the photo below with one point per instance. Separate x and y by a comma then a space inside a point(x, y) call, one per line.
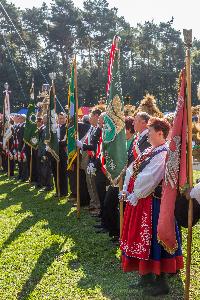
point(43, 159)
point(63, 176)
point(22, 161)
point(90, 145)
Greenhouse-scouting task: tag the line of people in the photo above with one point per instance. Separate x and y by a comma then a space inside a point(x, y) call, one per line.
point(147, 142)
point(44, 166)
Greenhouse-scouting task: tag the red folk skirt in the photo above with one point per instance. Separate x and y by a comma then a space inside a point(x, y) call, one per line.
point(140, 248)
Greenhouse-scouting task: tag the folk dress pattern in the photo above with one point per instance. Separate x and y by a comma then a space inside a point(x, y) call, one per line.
point(140, 248)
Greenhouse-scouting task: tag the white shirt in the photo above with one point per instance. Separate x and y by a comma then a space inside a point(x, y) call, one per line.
point(143, 133)
point(195, 192)
point(149, 178)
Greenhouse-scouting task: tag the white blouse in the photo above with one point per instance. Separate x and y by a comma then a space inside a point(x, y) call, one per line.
point(195, 192)
point(149, 178)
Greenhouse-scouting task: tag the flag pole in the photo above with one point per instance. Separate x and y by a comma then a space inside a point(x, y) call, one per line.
point(8, 160)
point(78, 151)
point(57, 161)
point(58, 179)
point(31, 158)
point(31, 165)
point(121, 206)
point(188, 42)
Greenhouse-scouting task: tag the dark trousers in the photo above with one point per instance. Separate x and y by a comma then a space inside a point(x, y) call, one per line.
point(100, 181)
point(34, 163)
point(4, 162)
point(73, 179)
point(63, 176)
point(44, 174)
point(83, 190)
point(12, 166)
point(23, 170)
point(19, 170)
point(84, 194)
point(111, 211)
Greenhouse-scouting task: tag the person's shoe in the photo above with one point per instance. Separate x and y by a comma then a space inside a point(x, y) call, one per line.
point(173, 274)
point(72, 199)
point(145, 281)
point(24, 179)
point(32, 187)
point(38, 186)
point(48, 189)
point(103, 230)
point(115, 239)
point(42, 189)
point(98, 226)
point(94, 215)
point(159, 288)
point(94, 212)
point(33, 182)
point(85, 208)
point(62, 197)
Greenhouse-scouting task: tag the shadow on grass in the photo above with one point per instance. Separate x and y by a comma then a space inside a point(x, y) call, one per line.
point(45, 260)
point(96, 255)
point(23, 226)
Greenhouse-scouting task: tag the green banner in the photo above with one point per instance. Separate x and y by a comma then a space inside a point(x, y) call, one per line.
point(30, 130)
point(71, 131)
point(114, 137)
point(51, 139)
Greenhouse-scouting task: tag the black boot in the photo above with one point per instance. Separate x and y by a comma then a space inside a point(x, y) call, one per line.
point(160, 287)
point(145, 281)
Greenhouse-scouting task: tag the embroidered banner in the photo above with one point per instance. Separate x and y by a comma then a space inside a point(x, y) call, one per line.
point(114, 138)
point(175, 173)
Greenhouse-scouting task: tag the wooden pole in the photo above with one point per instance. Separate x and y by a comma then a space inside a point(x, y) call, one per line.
point(54, 93)
point(58, 179)
point(78, 184)
point(188, 43)
point(57, 162)
point(31, 166)
point(8, 159)
point(78, 151)
point(121, 206)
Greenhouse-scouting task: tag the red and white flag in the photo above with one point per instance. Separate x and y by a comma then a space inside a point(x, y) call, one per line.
point(175, 172)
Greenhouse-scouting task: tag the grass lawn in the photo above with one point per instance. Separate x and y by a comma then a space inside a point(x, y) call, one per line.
point(46, 253)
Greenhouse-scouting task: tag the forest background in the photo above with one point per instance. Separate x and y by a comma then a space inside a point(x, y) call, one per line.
point(152, 55)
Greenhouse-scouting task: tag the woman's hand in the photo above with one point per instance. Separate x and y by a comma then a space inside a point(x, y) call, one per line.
point(132, 199)
point(123, 194)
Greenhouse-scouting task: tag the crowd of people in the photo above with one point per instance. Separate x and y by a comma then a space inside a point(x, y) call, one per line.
point(147, 140)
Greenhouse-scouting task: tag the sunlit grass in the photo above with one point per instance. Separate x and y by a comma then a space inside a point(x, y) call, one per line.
point(46, 253)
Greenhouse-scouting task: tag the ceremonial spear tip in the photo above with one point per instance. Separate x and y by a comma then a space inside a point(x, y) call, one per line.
point(6, 86)
point(187, 33)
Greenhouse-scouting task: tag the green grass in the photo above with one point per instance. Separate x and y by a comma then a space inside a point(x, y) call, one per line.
point(46, 253)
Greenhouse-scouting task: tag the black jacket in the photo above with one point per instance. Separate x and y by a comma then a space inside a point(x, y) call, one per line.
point(41, 138)
point(62, 142)
point(94, 140)
point(142, 144)
point(20, 136)
point(83, 128)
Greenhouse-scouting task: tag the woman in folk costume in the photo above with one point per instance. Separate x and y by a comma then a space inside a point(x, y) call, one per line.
point(140, 248)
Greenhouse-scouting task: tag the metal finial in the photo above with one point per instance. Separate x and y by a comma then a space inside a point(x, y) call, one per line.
point(187, 37)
